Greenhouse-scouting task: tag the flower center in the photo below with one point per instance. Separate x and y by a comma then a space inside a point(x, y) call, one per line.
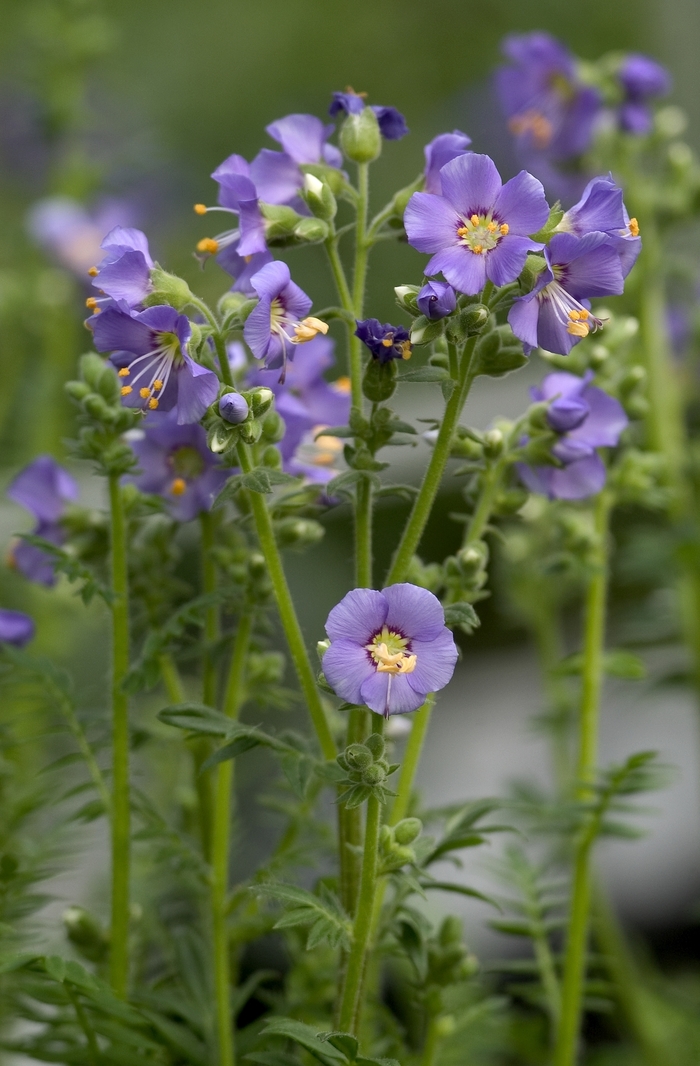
point(480, 234)
point(159, 364)
point(388, 650)
point(536, 124)
point(579, 321)
point(186, 463)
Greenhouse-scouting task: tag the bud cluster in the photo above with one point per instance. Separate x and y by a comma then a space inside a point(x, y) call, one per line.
point(395, 844)
point(103, 418)
point(366, 771)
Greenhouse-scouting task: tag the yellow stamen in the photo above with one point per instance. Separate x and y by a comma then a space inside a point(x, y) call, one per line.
point(477, 249)
point(208, 244)
point(178, 486)
point(157, 385)
point(474, 220)
point(504, 228)
point(398, 663)
point(573, 315)
point(462, 231)
point(91, 302)
point(492, 227)
point(342, 384)
point(153, 403)
point(388, 341)
point(634, 227)
point(406, 349)
point(93, 272)
point(308, 329)
point(126, 389)
point(247, 258)
point(200, 209)
point(124, 372)
point(578, 329)
point(144, 393)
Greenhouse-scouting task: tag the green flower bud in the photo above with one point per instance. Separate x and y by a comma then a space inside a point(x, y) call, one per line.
point(359, 756)
point(440, 359)
point(85, 933)
point(379, 381)
point(493, 443)
point(298, 533)
point(280, 222)
point(319, 198)
point(510, 501)
point(374, 775)
point(537, 415)
point(376, 744)
point(450, 931)
point(260, 400)
point(250, 431)
point(474, 558)
point(91, 367)
point(273, 427)
point(386, 837)
point(445, 1026)
point(423, 331)
point(97, 408)
point(534, 265)
point(360, 138)
point(330, 176)
point(168, 289)
point(77, 390)
point(271, 457)
point(311, 230)
point(406, 298)
point(407, 830)
point(221, 436)
point(322, 647)
point(402, 855)
point(108, 384)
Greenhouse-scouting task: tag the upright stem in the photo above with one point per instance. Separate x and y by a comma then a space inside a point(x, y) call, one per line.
point(490, 487)
point(288, 617)
point(211, 618)
point(411, 758)
point(121, 804)
point(171, 679)
point(350, 824)
point(219, 342)
point(361, 246)
point(363, 534)
point(425, 499)
point(592, 677)
point(220, 850)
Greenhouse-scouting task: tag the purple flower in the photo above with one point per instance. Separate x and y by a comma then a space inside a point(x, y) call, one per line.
point(238, 195)
point(641, 79)
point(441, 150)
point(547, 106)
point(556, 314)
point(233, 408)
point(436, 300)
point(125, 272)
point(279, 321)
point(478, 228)
point(149, 348)
point(392, 124)
point(176, 464)
point(45, 489)
point(304, 137)
point(71, 233)
point(384, 341)
point(388, 649)
point(586, 418)
point(242, 268)
point(601, 208)
point(15, 628)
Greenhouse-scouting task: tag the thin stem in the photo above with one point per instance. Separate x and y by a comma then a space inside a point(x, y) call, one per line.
point(491, 485)
point(592, 677)
point(288, 616)
point(171, 679)
point(425, 499)
point(221, 847)
point(361, 247)
point(211, 618)
point(219, 342)
point(350, 824)
point(363, 534)
point(86, 751)
point(411, 758)
point(84, 1023)
point(121, 803)
point(433, 1038)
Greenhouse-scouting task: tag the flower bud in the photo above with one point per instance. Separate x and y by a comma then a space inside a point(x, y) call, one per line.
point(374, 775)
point(260, 400)
point(379, 381)
point(311, 230)
point(510, 501)
point(436, 300)
point(451, 931)
point(273, 427)
point(271, 457)
point(319, 198)
point(221, 437)
point(493, 443)
point(322, 647)
point(474, 558)
point(440, 359)
point(407, 830)
point(386, 836)
point(376, 744)
point(91, 367)
point(97, 408)
point(358, 756)
point(534, 265)
point(406, 298)
point(423, 331)
point(445, 1026)
point(298, 533)
point(233, 408)
point(251, 431)
point(168, 289)
point(85, 933)
point(402, 855)
point(360, 138)
point(280, 222)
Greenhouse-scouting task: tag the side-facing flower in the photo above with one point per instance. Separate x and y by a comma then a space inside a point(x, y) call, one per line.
point(601, 208)
point(45, 489)
point(585, 418)
point(548, 107)
point(384, 341)
point(556, 314)
point(149, 349)
point(176, 463)
point(392, 124)
point(436, 300)
point(238, 196)
point(642, 80)
point(388, 649)
point(71, 233)
point(441, 150)
point(280, 320)
point(479, 228)
point(15, 628)
point(125, 271)
point(305, 139)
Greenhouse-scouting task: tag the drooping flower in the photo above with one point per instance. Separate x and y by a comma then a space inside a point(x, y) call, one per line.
point(436, 300)
point(388, 649)
point(149, 349)
point(441, 150)
point(585, 418)
point(15, 628)
point(642, 79)
point(45, 489)
point(71, 233)
point(478, 229)
point(556, 315)
point(125, 271)
point(384, 341)
point(601, 208)
point(392, 124)
point(176, 463)
point(280, 320)
point(549, 109)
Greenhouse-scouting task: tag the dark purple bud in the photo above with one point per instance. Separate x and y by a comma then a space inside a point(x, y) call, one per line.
point(15, 628)
point(642, 78)
point(567, 413)
point(391, 123)
point(384, 341)
point(436, 300)
point(233, 408)
point(349, 102)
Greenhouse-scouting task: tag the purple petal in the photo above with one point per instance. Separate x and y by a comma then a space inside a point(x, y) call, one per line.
point(536, 478)
point(34, 563)
point(269, 282)
point(276, 176)
point(605, 422)
point(471, 183)
point(252, 228)
point(115, 331)
point(129, 278)
point(301, 136)
point(333, 156)
point(359, 616)
point(591, 264)
point(523, 317)
point(600, 208)
point(552, 332)
point(44, 488)
point(391, 694)
point(522, 204)
point(413, 611)
point(296, 303)
point(197, 388)
point(441, 150)
point(464, 270)
point(435, 662)
point(392, 124)
point(125, 238)
point(346, 666)
point(561, 383)
point(256, 332)
point(15, 628)
point(507, 259)
point(581, 479)
point(431, 222)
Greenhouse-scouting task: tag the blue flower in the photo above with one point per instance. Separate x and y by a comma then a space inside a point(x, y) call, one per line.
point(436, 300)
point(124, 274)
point(279, 321)
point(71, 233)
point(384, 341)
point(45, 489)
point(441, 150)
point(392, 124)
point(642, 79)
point(15, 628)
point(601, 209)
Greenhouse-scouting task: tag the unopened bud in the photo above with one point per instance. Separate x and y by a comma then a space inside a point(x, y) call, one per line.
point(233, 408)
point(376, 744)
point(374, 775)
point(322, 647)
point(251, 431)
point(272, 458)
point(406, 298)
point(168, 289)
point(298, 533)
point(407, 830)
point(311, 230)
point(319, 198)
point(260, 400)
point(493, 443)
point(274, 427)
point(360, 137)
point(358, 756)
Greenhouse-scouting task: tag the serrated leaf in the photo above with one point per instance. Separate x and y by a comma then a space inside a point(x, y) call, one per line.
point(462, 615)
point(462, 890)
point(425, 373)
point(304, 1035)
point(196, 718)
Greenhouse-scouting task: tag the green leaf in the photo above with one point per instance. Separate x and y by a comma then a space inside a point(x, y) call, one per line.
point(426, 373)
point(196, 718)
point(323, 912)
point(306, 1036)
point(462, 890)
point(463, 616)
point(344, 1042)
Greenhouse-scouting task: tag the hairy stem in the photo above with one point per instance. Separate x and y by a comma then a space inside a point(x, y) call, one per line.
point(219, 343)
point(491, 485)
point(363, 534)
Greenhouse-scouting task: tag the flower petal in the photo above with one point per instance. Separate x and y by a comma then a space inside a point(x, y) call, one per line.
point(115, 331)
point(577, 481)
point(413, 611)
point(522, 204)
point(435, 662)
point(431, 222)
point(391, 694)
point(129, 278)
point(507, 259)
point(359, 616)
point(301, 136)
point(471, 183)
point(346, 666)
point(197, 388)
point(605, 422)
point(465, 271)
point(276, 176)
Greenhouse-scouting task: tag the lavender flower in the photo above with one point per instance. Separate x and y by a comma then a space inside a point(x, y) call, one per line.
point(125, 272)
point(71, 233)
point(176, 464)
point(556, 314)
point(388, 649)
point(384, 341)
point(242, 268)
point(279, 321)
point(601, 208)
point(44, 488)
point(233, 408)
point(304, 138)
point(392, 124)
point(642, 80)
point(547, 106)
point(478, 228)
point(436, 300)
point(238, 195)
point(441, 150)
point(15, 628)
point(149, 348)
point(585, 418)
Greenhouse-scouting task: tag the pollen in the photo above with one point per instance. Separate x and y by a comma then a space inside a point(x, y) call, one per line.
point(474, 220)
point(503, 229)
point(399, 662)
point(477, 249)
point(200, 209)
point(208, 244)
point(178, 486)
point(342, 384)
point(157, 385)
point(126, 389)
point(492, 227)
point(634, 227)
point(388, 341)
point(93, 272)
point(153, 403)
point(462, 231)
point(124, 372)
point(91, 302)
point(144, 393)
point(578, 329)
point(308, 328)
point(406, 350)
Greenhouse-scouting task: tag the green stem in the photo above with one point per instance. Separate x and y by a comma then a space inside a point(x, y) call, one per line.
point(121, 804)
point(220, 850)
point(211, 618)
point(84, 747)
point(361, 246)
point(491, 485)
point(425, 499)
point(545, 622)
point(219, 342)
point(288, 616)
point(592, 678)
point(433, 1038)
point(84, 1023)
point(350, 824)
point(363, 534)
point(411, 758)
point(171, 679)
